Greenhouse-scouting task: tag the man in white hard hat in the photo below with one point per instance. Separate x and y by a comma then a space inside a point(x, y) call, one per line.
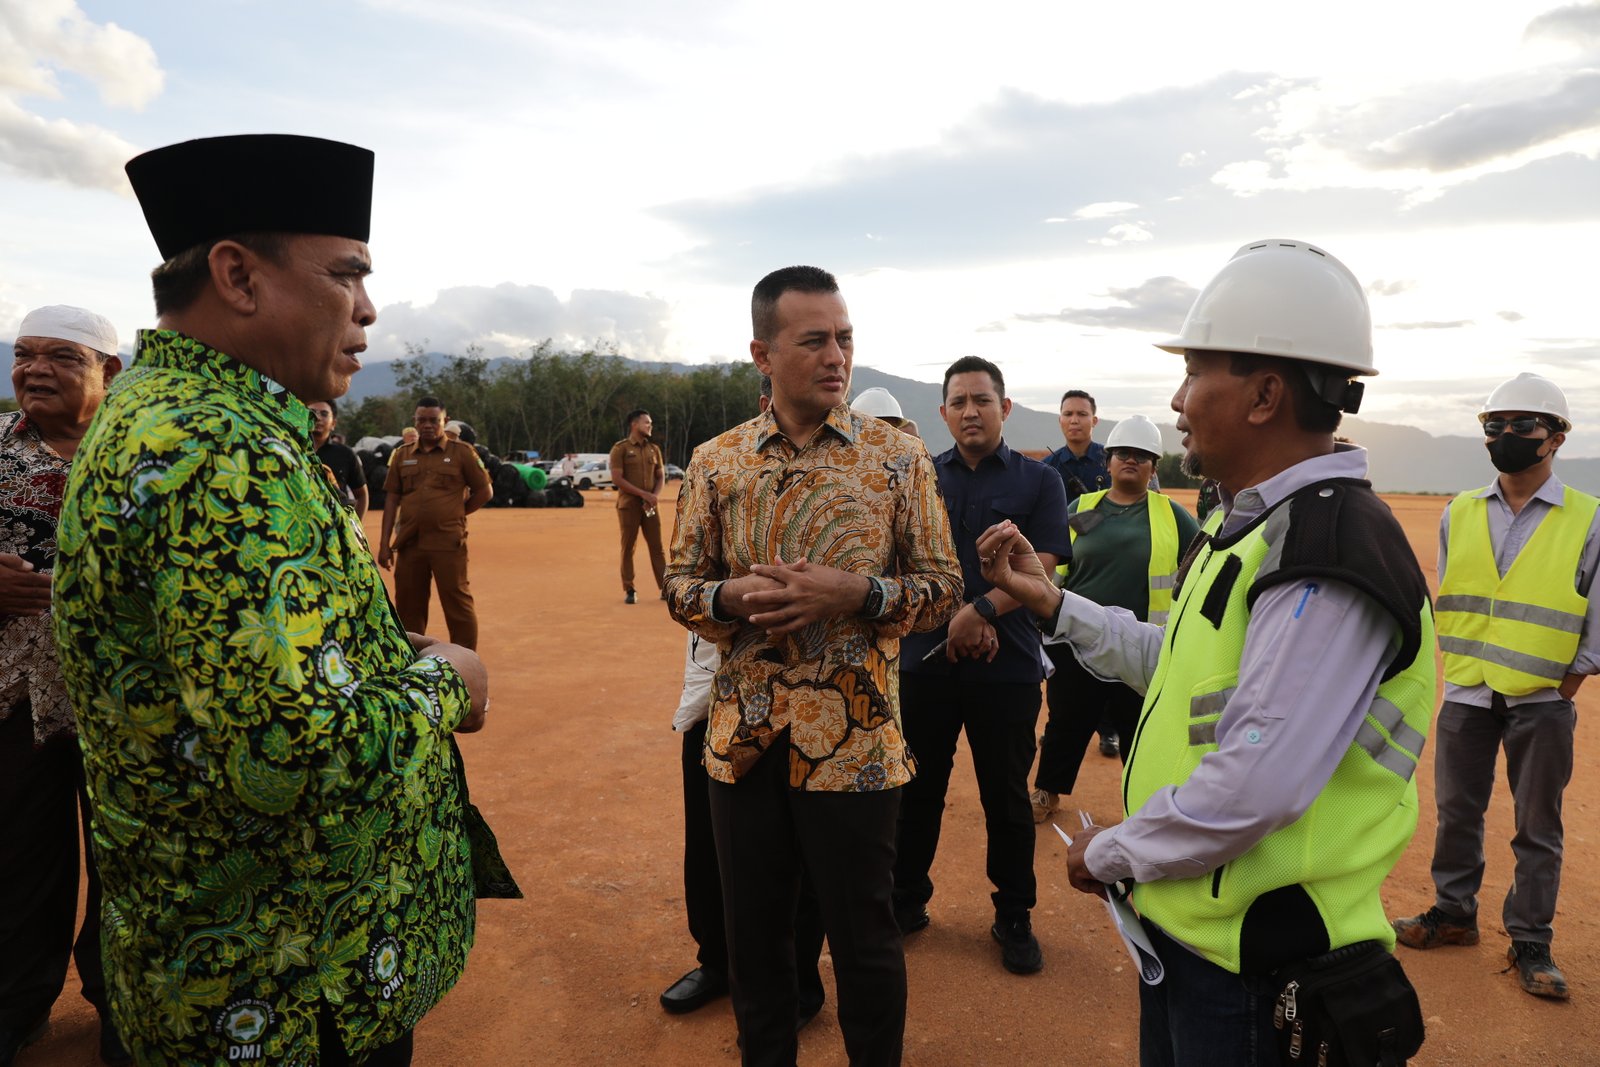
point(1269, 787)
point(880, 404)
point(1518, 629)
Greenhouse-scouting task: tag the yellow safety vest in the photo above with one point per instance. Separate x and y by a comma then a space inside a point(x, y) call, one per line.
point(1164, 549)
point(1518, 634)
point(1341, 849)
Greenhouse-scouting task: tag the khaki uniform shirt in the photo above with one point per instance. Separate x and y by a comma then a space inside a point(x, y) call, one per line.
point(432, 486)
point(639, 464)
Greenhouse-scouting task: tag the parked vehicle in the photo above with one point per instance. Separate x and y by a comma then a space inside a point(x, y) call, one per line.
point(596, 475)
point(674, 471)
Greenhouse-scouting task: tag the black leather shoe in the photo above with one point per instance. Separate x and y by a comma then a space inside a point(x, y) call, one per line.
point(631, 598)
point(112, 1050)
point(910, 917)
point(1537, 971)
point(1110, 745)
point(694, 990)
point(13, 1041)
point(1019, 949)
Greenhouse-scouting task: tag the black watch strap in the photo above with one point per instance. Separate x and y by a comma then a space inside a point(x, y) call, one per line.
point(984, 607)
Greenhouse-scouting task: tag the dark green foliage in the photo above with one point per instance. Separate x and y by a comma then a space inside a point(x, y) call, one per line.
point(559, 402)
point(1169, 468)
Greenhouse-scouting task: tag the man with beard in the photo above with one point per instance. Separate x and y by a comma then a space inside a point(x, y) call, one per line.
point(1269, 789)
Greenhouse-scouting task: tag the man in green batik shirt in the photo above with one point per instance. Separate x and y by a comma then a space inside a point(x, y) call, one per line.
point(278, 806)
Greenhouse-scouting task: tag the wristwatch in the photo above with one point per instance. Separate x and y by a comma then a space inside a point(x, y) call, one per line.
point(984, 607)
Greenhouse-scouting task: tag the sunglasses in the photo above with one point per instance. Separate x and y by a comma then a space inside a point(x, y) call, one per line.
point(1522, 425)
point(1138, 455)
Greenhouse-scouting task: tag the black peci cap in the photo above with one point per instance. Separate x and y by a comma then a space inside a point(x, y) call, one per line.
point(214, 187)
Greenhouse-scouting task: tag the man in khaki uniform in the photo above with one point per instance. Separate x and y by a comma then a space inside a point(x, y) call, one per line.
point(438, 482)
point(639, 473)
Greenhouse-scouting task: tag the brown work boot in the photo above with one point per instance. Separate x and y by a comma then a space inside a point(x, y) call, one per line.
point(1434, 928)
point(1539, 973)
point(1045, 804)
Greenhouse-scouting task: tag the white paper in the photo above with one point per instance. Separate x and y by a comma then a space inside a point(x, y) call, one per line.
point(1140, 950)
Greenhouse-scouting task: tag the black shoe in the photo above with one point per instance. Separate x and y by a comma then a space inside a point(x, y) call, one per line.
point(808, 1012)
point(910, 917)
point(112, 1050)
point(1537, 971)
point(1109, 745)
point(1019, 949)
point(631, 598)
point(13, 1041)
point(694, 990)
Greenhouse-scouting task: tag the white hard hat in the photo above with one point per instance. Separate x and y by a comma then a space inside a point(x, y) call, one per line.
point(1531, 393)
point(1282, 298)
point(878, 402)
point(1136, 431)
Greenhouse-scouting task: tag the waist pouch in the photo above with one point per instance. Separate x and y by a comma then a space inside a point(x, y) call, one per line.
point(1352, 1007)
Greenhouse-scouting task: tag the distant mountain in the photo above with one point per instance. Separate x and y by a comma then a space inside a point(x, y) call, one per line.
point(1404, 459)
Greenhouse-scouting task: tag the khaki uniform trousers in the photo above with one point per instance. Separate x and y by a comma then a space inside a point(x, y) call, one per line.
point(414, 569)
point(633, 520)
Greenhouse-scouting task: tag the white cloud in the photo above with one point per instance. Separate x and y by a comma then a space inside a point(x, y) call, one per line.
point(507, 319)
point(1578, 23)
point(41, 37)
point(1122, 233)
point(1104, 210)
point(1379, 287)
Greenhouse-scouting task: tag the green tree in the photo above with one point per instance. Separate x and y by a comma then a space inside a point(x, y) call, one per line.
point(1169, 468)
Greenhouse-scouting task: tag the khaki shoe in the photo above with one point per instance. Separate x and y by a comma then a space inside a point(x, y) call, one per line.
point(1538, 972)
point(1433, 929)
point(1045, 804)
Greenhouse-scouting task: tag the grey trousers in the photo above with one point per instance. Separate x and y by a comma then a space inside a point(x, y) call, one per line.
point(1538, 744)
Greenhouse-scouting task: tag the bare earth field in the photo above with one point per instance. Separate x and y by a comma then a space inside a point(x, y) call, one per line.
point(578, 771)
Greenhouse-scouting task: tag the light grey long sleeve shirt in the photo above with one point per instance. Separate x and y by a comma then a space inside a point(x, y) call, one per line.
point(1508, 534)
point(1314, 654)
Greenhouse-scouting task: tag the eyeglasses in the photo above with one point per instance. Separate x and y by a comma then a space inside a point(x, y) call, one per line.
point(1138, 455)
point(319, 414)
point(1522, 425)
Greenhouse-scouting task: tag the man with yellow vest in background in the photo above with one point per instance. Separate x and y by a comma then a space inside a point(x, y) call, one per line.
point(1517, 627)
point(1270, 785)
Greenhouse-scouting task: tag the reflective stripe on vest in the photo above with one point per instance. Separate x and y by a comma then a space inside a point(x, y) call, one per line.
point(1341, 848)
point(1164, 549)
point(1519, 633)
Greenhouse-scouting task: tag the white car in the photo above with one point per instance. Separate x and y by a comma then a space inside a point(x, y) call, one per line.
point(596, 475)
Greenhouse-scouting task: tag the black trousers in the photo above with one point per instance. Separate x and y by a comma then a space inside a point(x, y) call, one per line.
point(1079, 702)
point(768, 837)
point(702, 886)
point(41, 798)
point(999, 718)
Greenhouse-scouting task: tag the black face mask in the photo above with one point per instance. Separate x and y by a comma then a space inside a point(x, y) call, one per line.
point(1512, 454)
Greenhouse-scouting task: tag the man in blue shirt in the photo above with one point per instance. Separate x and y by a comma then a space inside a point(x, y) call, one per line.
point(1081, 462)
point(981, 671)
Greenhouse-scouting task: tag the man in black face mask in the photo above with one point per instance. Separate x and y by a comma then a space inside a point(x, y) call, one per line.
point(1519, 631)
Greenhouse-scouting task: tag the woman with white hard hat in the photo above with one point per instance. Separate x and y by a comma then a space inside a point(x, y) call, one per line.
point(1126, 543)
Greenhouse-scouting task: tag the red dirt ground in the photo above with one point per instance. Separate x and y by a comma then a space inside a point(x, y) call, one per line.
point(578, 771)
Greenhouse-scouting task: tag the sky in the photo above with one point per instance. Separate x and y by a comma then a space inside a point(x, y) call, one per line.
point(1043, 184)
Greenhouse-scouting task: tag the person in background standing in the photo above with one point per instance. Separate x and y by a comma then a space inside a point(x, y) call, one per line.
point(62, 361)
point(640, 474)
point(340, 459)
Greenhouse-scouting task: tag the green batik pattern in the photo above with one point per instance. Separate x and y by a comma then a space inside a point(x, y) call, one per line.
point(275, 810)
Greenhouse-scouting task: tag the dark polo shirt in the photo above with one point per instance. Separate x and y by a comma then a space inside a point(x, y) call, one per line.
point(1005, 485)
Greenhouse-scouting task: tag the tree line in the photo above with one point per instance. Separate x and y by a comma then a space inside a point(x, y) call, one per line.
point(557, 401)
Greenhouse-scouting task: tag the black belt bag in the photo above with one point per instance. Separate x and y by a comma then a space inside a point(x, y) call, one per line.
point(1352, 1007)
